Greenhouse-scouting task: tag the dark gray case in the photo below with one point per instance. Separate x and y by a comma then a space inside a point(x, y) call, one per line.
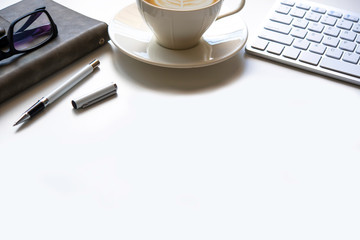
point(78, 35)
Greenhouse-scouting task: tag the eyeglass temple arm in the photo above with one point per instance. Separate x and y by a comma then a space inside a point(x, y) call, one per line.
point(31, 19)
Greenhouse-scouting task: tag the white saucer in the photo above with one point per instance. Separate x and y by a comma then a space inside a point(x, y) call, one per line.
point(221, 41)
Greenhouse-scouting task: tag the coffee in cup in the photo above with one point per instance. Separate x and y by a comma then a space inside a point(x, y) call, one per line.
point(181, 4)
point(180, 24)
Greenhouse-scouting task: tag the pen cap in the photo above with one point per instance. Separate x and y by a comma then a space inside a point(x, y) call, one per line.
point(95, 96)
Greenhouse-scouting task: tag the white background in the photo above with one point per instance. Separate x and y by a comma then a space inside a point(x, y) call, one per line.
point(245, 149)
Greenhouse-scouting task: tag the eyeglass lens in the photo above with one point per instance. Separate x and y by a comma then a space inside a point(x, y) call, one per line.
point(32, 31)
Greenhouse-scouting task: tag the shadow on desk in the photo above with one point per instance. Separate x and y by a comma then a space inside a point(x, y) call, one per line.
point(184, 81)
point(248, 56)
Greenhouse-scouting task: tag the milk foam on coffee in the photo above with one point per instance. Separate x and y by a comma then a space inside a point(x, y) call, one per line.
point(182, 4)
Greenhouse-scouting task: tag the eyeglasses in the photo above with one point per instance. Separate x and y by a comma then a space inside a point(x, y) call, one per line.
point(28, 33)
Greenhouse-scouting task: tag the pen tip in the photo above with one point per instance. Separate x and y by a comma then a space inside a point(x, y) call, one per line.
point(23, 118)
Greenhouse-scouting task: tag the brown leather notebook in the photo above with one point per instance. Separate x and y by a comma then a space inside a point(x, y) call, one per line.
point(77, 36)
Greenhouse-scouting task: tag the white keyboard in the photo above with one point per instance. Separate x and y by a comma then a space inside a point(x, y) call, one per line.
point(313, 37)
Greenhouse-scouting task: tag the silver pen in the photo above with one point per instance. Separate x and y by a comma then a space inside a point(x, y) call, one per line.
point(58, 92)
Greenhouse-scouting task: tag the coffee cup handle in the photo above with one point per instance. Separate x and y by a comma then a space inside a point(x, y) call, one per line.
point(241, 5)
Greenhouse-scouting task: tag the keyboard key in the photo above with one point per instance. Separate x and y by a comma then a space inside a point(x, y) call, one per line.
point(347, 35)
point(310, 58)
point(332, 31)
point(351, 18)
point(356, 28)
point(335, 14)
point(283, 9)
point(351, 57)
point(300, 23)
point(344, 24)
point(260, 44)
point(303, 6)
point(298, 32)
point(288, 3)
point(312, 16)
point(276, 37)
point(291, 53)
point(316, 27)
point(296, 12)
point(334, 53)
point(319, 10)
point(340, 66)
point(328, 20)
point(358, 39)
point(317, 48)
point(281, 18)
point(348, 46)
point(278, 27)
point(314, 37)
point(331, 41)
point(275, 48)
point(358, 50)
point(301, 44)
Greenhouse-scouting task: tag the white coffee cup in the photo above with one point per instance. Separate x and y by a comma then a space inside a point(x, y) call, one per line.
point(182, 27)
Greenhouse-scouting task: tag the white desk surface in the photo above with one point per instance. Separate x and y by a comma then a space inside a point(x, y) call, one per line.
point(246, 149)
